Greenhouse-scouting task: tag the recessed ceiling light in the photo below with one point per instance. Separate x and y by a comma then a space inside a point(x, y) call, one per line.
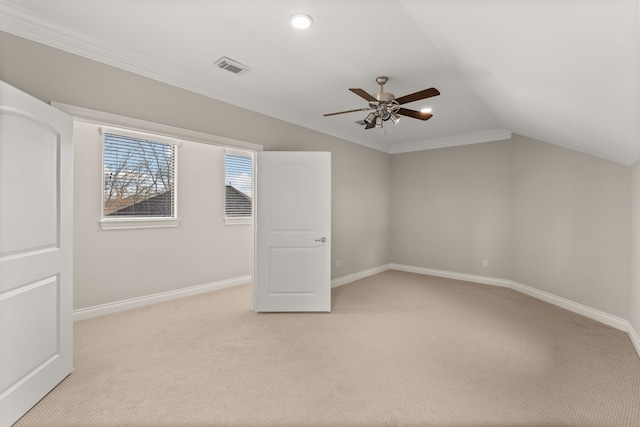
point(426, 110)
point(301, 21)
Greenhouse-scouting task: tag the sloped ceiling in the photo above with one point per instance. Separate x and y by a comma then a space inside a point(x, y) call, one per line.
point(566, 72)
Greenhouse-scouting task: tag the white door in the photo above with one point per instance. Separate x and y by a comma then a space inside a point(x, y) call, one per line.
point(293, 230)
point(35, 251)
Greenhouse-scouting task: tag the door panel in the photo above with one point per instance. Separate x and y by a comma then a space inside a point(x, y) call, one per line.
point(28, 173)
point(293, 205)
point(37, 342)
point(292, 271)
point(36, 219)
point(293, 227)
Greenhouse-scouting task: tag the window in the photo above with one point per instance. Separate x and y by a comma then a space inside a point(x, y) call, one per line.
point(139, 178)
point(238, 168)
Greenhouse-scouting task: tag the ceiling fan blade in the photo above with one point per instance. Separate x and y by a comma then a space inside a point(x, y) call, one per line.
point(361, 93)
point(415, 114)
point(427, 93)
point(348, 111)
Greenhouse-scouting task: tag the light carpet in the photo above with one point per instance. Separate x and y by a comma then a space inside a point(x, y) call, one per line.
point(399, 349)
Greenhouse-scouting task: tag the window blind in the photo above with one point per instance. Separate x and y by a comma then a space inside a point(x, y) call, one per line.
point(139, 177)
point(238, 186)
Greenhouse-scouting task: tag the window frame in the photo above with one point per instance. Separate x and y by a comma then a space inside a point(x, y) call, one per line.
point(234, 220)
point(102, 118)
point(131, 222)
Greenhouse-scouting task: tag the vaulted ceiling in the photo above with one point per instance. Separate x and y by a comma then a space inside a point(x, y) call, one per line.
point(566, 72)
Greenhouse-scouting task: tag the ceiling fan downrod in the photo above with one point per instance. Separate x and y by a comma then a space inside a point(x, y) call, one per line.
point(385, 106)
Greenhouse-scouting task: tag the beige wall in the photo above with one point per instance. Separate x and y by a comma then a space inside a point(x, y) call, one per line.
point(546, 217)
point(451, 209)
point(570, 222)
point(543, 216)
point(114, 265)
point(360, 180)
point(634, 292)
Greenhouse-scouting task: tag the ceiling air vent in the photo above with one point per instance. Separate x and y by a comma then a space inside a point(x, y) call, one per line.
point(230, 65)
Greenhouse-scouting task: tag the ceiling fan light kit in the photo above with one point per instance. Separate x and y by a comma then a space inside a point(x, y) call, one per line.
point(386, 106)
point(370, 119)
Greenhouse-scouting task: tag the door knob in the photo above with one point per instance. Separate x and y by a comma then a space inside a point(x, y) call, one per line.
point(322, 239)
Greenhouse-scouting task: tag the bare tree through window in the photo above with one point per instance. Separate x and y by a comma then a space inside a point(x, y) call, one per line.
point(139, 177)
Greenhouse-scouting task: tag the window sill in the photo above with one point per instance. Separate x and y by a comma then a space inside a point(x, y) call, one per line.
point(126, 224)
point(238, 221)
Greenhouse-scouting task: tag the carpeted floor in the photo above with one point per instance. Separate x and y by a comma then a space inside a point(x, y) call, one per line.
point(399, 349)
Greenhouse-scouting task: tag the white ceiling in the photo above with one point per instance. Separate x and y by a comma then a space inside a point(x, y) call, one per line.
point(561, 71)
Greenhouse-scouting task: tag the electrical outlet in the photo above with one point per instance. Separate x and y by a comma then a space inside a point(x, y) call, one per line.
point(485, 263)
point(339, 263)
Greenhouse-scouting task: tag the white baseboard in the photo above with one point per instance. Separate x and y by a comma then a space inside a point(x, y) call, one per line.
point(114, 307)
point(359, 275)
point(592, 313)
point(635, 339)
point(452, 275)
point(607, 319)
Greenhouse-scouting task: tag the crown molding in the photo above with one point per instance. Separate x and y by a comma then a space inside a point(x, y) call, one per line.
point(452, 141)
point(24, 23)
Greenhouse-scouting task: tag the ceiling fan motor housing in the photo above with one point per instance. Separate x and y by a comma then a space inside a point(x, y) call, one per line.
point(385, 105)
point(385, 96)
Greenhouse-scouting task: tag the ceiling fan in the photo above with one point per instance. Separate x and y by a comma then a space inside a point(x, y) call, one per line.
point(385, 106)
